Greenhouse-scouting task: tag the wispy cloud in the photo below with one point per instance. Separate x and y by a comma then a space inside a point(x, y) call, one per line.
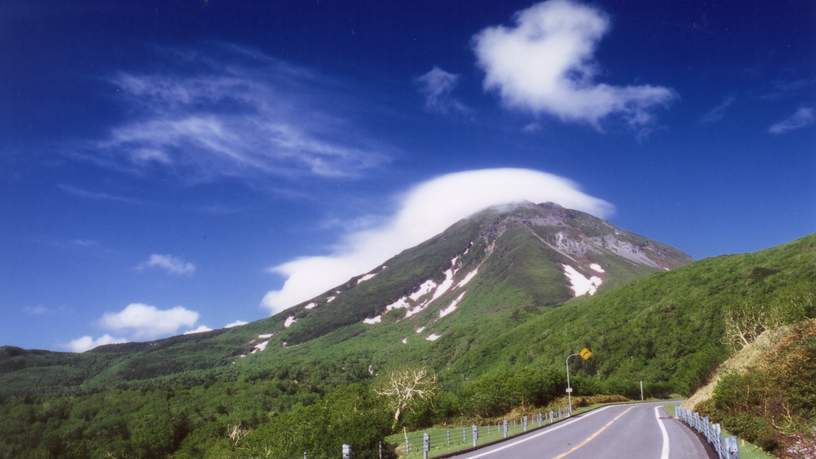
point(785, 88)
point(437, 86)
point(234, 112)
point(169, 263)
point(424, 210)
point(97, 195)
point(717, 113)
point(545, 63)
point(801, 118)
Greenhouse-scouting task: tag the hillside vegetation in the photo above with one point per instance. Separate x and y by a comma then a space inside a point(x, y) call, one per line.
point(771, 401)
point(194, 397)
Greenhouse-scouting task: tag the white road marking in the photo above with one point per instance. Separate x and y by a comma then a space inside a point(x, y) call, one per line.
point(526, 439)
point(664, 451)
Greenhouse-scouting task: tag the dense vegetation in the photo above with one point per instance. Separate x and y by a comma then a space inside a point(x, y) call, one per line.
point(773, 403)
point(193, 397)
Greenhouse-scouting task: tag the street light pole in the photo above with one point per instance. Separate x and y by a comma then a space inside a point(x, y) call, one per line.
point(569, 388)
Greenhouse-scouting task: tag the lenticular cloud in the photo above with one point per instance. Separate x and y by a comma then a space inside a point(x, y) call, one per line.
point(425, 210)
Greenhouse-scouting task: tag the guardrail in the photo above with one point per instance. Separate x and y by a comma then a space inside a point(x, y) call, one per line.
point(725, 447)
point(452, 439)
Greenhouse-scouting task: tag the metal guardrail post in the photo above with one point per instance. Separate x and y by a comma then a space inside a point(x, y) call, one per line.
point(448, 432)
point(464, 435)
point(733, 448)
point(475, 434)
point(346, 451)
point(504, 428)
point(426, 445)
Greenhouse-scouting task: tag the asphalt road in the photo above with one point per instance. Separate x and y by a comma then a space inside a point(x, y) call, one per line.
point(638, 431)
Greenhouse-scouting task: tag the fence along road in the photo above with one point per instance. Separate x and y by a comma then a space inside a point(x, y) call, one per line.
point(639, 431)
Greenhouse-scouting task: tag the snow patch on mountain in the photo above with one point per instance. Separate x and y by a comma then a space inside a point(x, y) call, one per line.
point(420, 329)
point(401, 303)
point(579, 284)
point(373, 320)
point(311, 305)
point(404, 341)
point(433, 337)
point(468, 277)
point(289, 321)
point(448, 282)
point(452, 306)
point(366, 277)
point(260, 347)
point(266, 335)
point(596, 267)
point(330, 299)
point(424, 289)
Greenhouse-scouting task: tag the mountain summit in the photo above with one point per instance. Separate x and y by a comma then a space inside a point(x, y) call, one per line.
point(515, 255)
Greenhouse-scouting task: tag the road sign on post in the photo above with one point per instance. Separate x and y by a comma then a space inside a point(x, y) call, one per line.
point(585, 354)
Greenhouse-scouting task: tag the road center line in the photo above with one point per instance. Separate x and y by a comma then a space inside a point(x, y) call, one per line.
point(530, 437)
point(592, 437)
point(664, 450)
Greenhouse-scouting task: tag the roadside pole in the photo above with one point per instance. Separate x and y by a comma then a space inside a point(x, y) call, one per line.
point(641, 390)
point(569, 388)
point(585, 354)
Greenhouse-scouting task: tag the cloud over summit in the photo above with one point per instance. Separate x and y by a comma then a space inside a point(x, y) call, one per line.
point(423, 211)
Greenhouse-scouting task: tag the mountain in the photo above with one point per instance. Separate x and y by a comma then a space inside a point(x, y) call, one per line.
point(499, 260)
point(492, 306)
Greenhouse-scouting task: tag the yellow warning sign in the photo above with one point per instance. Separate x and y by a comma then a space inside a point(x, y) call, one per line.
point(585, 353)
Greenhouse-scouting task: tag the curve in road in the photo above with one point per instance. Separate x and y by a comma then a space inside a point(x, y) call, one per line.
point(634, 431)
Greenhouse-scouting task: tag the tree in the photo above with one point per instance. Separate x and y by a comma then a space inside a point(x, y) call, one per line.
point(405, 388)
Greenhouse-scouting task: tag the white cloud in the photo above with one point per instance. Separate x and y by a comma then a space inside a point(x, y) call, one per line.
point(236, 323)
point(86, 343)
point(803, 117)
point(718, 113)
point(423, 211)
point(545, 63)
point(437, 86)
point(229, 112)
point(146, 321)
point(169, 263)
point(200, 329)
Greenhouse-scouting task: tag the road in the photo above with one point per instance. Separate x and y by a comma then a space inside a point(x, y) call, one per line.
point(638, 431)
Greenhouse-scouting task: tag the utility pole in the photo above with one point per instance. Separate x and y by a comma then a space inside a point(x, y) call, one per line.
point(641, 390)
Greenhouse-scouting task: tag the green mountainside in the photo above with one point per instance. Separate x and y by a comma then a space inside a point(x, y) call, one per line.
point(489, 305)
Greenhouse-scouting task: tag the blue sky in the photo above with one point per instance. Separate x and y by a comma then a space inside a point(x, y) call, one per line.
point(157, 159)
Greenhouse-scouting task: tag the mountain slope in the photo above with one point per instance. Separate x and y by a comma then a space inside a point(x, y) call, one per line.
point(495, 262)
point(502, 345)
